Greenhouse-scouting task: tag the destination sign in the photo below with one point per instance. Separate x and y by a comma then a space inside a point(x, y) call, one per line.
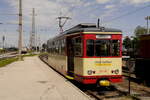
point(103, 36)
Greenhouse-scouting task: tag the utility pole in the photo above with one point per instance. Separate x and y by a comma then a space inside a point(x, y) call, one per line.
point(3, 39)
point(98, 23)
point(62, 24)
point(39, 44)
point(32, 34)
point(147, 18)
point(20, 29)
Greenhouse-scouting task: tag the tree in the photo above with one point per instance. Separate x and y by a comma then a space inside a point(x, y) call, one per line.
point(44, 46)
point(139, 30)
point(135, 45)
point(127, 42)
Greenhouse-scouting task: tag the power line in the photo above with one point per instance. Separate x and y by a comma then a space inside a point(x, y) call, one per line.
point(69, 11)
point(7, 14)
point(126, 14)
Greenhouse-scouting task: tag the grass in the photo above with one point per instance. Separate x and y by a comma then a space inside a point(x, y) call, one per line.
point(7, 61)
point(43, 53)
point(29, 55)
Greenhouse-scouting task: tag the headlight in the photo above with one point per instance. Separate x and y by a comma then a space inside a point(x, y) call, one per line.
point(89, 72)
point(115, 71)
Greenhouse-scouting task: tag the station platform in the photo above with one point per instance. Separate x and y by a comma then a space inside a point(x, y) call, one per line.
point(32, 79)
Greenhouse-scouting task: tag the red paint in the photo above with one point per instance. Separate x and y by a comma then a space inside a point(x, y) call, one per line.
point(89, 36)
point(94, 79)
point(84, 46)
point(144, 48)
point(102, 57)
point(116, 37)
point(93, 37)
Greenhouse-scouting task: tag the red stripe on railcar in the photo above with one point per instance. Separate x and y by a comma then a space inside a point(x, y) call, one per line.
point(94, 79)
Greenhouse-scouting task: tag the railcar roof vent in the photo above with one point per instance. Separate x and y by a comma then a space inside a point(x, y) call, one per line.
point(86, 25)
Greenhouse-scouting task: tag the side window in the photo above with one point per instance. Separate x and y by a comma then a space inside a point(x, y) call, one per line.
point(53, 47)
point(59, 47)
point(115, 47)
point(63, 46)
point(77, 43)
point(90, 48)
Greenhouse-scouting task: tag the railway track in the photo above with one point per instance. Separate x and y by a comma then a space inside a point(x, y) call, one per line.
point(108, 95)
point(8, 55)
point(117, 91)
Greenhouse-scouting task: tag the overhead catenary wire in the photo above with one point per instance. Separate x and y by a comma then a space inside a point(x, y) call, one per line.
point(118, 17)
point(8, 14)
point(126, 14)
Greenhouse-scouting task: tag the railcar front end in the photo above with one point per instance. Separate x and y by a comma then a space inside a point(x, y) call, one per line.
point(101, 60)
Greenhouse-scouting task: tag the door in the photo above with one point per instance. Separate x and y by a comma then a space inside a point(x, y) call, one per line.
point(70, 56)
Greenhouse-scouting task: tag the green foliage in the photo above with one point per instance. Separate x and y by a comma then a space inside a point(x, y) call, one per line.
point(29, 55)
point(139, 30)
point(43, 53)
point(7, 61)
point(2, 51)
point(44, 46)
point(127, 42)
point(134, 43)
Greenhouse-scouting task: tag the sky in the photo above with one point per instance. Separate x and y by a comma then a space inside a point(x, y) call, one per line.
point(112, 13)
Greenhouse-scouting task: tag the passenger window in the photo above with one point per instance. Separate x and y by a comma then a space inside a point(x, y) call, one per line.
point(63, 47)
point(77, 43)
point(90, 48)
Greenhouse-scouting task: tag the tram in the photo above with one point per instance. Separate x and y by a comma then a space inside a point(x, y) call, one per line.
point(88, 54)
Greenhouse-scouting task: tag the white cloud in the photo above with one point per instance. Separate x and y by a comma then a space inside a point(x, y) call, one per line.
point(135, 2)
point(108, 13)
point(46, 13)
point(109, 6)
point(103, 1)
point(47, 10)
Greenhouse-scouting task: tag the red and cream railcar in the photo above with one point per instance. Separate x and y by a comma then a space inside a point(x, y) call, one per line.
point(88, 54)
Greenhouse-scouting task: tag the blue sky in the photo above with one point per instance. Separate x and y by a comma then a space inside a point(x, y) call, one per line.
point(81, 11)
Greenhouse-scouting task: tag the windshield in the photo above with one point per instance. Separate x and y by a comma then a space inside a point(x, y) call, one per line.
point(104, 48)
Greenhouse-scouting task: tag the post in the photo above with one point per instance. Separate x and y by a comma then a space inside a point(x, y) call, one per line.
point(32, 34)
point(129, 88)
point(98, 22)
point(147, 26)
point(3, 42)
point(20, 29)
point(147, 18)
point(127, 58)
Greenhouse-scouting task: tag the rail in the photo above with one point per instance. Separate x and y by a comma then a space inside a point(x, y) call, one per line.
point(8, 55)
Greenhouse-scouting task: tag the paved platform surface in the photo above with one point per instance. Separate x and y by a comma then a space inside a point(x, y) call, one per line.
point(31, 79)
